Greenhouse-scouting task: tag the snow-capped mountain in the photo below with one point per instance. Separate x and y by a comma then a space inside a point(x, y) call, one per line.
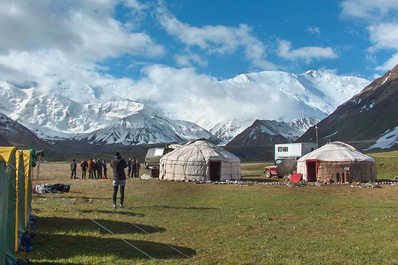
point(269, 132)
point(285, 97)
point(13, 133)
point(320, 90)
point(55, 117)
point(225, 131)
point(368, 120)
point(148, 127)
point(269, 95)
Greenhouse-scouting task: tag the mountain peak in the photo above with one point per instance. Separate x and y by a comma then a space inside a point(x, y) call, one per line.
point(242, 78)
point(268, 132)
point(312, 73)
point(368, 120)
point(387, 77)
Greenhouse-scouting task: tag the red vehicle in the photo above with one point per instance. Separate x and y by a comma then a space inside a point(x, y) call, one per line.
point(281, 168)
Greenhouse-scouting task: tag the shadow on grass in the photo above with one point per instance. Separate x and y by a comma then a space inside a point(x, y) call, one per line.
point(66, 238)
point(68, 225)
point(118, 212)
point(55, 247)
point(177, 207)
point(55, 263)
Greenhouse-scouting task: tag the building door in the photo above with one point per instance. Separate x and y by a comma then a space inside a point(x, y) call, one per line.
point(215, 170)
point(312, 170)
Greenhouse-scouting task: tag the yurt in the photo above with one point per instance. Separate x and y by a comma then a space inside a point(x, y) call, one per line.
point(199, 160)
point(336, 162)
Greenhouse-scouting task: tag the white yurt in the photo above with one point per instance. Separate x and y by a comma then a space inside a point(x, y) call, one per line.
point(337, 162)
point(199, 160)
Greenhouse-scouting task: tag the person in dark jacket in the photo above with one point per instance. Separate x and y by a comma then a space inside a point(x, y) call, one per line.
point(129, 168)
point(84, 166)
point(98, 167)
point(73, 167)
point(105, 169)
point(119, 178)
point(137, 167)
point(133, 167)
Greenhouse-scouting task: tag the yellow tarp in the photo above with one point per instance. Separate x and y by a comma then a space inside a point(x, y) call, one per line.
point(27, 157)
point(20, 200)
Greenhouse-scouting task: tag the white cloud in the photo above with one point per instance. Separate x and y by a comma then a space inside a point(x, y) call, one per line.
point(382, 19)
point(216, 39)
point(84, 30)
point(53, 42)
point(390, 64)
point(314, 30)
point(136, 5)
point(109, 39)
point(305, 53)
point(50, 68)
point(384, 36)
point(185, 94)
point(369, 9)
point(188, 59)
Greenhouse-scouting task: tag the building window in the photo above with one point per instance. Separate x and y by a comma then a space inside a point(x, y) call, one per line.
point(282, 149)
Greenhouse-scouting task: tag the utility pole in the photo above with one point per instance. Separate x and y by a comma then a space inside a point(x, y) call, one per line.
point(316, 135)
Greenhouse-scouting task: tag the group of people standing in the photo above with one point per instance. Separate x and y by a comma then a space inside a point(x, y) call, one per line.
point(133, 168)
point(97, 167)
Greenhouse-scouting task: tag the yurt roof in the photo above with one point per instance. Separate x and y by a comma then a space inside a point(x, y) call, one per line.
point(337, 152)
point(200, 150)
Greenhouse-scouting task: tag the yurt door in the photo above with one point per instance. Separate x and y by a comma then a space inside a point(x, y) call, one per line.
point(312, 170)
point(215, 170)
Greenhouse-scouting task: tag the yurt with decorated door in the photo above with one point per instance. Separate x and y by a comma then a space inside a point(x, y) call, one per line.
point(336, 162)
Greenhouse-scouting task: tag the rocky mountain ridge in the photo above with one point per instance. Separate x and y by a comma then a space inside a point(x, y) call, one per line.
point(269, 132)
point(368, 120)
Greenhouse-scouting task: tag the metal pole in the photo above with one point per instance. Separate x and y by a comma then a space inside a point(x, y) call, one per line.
point(317, 137)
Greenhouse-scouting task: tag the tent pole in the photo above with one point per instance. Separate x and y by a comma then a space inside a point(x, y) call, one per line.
point(38, 168)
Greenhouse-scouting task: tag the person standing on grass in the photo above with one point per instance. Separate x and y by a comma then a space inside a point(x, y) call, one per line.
point(73, 167)
point(84, 167)
point(91, 169)
point(137, 168)
point(119, 178)
point(105, 169)
point(133, 168)
point(129, 168)
point(98, 167)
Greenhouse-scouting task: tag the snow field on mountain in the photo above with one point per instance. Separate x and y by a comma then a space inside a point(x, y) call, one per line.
point(224, 108)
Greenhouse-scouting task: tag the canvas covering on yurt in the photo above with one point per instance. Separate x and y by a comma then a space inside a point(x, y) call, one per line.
point(337, 162)
point(199, 161)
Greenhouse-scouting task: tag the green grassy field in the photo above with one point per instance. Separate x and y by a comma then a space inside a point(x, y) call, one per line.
point(386, 164)
point(215, 224)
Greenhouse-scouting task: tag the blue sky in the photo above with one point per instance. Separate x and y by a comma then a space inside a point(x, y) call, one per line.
point(143, 50)
point(218, 38)
point(295, 36)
